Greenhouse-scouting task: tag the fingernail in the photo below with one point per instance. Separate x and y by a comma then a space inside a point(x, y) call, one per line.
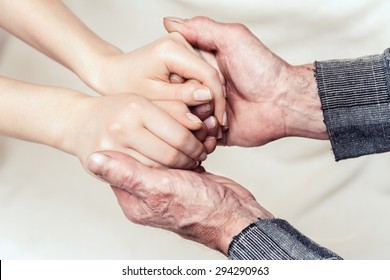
point(202, 94)
point(224, 91)
point(97, 162)
point(219, 136)
point(204, 108)
point(203, 156)
point(209, 138)
point(224, 120)
point(210, 122)
point(176, 79)
point(175, 19)
point(193, 118)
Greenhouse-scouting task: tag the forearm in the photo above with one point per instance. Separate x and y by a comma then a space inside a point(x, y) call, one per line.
point(50, 27)
point(36, 113)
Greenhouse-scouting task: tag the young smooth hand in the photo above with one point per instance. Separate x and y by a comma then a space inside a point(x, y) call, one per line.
point(55, 31)
point(134, 125)
point(81, 124)
point(148, 71)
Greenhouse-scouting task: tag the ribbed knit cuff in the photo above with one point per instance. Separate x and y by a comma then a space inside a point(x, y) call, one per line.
point(275, 239)
point(354, 95)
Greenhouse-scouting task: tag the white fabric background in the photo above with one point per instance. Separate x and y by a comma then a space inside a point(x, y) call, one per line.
point(50, 208)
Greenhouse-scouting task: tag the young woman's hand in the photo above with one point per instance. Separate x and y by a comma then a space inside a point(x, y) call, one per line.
point(55, 31)
point(147, 72)
point(132, 124)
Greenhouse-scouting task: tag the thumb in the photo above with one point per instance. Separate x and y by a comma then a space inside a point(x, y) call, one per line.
point(189, 93)
point(201, 32)
point(120, 170)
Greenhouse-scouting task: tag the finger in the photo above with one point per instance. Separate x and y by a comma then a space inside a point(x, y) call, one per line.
point(212, 126)
point(210, 143)
point(201, 32)
point(192, 81)
point(183, 116)
point(203, 111)
point(181, 113)
point(201, 134)
point(142, 158)
point(179, 38)
point(206, 136)
point(210, 58)
point(191, 66)
point(205, 34)
point(190, 93)
point(223, 137)
point(176, 79)
point(122, 171)
point(162, 152)
point(173, 133)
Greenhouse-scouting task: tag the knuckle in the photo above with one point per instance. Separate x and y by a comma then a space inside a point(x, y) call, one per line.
point(166, 45)
point(136, 104)
point(115, 129)
point(187, 140)
point(179, 106)
point(179, 94)
point(184, 138)
point(239, 27)
point(105, 144)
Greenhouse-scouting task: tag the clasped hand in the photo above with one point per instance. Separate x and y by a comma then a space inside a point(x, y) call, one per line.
point(266, 99)
point(154, 123)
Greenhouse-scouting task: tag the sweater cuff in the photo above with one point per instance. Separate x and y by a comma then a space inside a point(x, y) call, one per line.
point(354, 94)
point(275, 239)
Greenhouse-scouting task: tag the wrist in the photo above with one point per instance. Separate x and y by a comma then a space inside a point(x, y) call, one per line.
point(36, 113)
point(301, 106)
point(92, 69)
point(69, 127)
point(238, 221)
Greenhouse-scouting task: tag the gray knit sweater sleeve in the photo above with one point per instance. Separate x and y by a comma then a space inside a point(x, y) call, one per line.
point(354, 95)
point(276, 239)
